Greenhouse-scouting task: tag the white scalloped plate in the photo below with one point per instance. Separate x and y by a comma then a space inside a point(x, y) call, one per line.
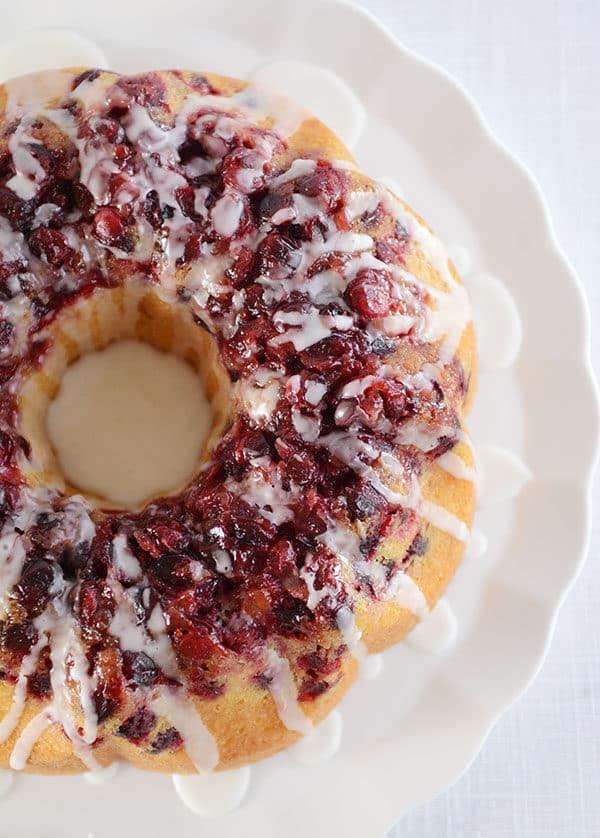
point(414, 730)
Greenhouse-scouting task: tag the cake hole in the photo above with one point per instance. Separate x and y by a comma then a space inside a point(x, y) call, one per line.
point(129, 423)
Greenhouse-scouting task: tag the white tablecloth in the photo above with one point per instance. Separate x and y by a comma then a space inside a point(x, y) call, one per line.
point(534, 68)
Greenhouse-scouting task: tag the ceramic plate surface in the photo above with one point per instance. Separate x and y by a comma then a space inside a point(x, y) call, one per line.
point(412, 731)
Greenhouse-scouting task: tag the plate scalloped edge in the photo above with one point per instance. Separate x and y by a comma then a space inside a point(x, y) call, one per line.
point(529, 184)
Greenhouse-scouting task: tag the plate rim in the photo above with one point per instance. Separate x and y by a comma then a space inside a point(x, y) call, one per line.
point(571, 277)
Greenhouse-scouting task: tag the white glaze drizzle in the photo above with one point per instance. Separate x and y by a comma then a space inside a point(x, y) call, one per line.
point(212, 795)
point(477, 545)
point(457, 467)
point(437, 633)
point(283, 690)
point(372, 667)
point(102, 776)
point(322, 743)
point(180, 710)
point(27, 739)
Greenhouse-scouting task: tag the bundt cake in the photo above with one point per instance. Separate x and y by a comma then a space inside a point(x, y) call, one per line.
point(329, 509)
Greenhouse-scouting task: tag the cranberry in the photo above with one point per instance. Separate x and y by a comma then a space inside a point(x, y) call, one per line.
point(51, 244)
point(276, 205)
point(20, 637)
point(147, 89)
point(87, 75)
point(326, 184)
point(383, 346)
point(312, 688)
point(108, 227)
point(7, 371)
point(140, 668)
point(391, 249)
point(290, 616)
point(395, 397)
point(7, 448)
point(322, 661)
point(243, 170)
point(241, 269)
point(162, 537)
point(39, 684)
point(172, 571)
point(6, 332)
point(200, 84)
point(34, 584)
point(195, 646)
point(17, 211)
point(277, 256)
point(94, 606)
point(84, 200)
point(364, 501)
point(137, 727)
point(419, 545)
point(151, 210)
point(167, 740)
point(369, 294)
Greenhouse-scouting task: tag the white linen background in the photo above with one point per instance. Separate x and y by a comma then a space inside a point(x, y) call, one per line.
point(533, 66)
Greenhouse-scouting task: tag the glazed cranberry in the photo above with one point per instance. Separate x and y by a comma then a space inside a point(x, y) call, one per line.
point(108, 694)
point(93, 605)
point(391, 249)
point(243, 170)
point(242, 267)
point(137, 727)
point(87, 75)
point(108, 226)
point(301, 468)
point(322, 661)
point(39, 684)
point(186, 199)
point(162, 537)
point(151, 210)
point(326, 184)
point(383, 346)
point(364, 501)
point(276, 208)
point(201, 85)
point(369, 294)
point(196, 646)
point(84, 200)
point(51, 244)
point(277, 256)
point(252, 532)
point(205, 594)
point(20, 637)
point(6, 332)
point(18, 212)
point(34, 584)
point(167, 740)
point(140, 668)
point(7, 448)
point(290, 616)
point(172, 571)
point(147, 89)
point(396, 401)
